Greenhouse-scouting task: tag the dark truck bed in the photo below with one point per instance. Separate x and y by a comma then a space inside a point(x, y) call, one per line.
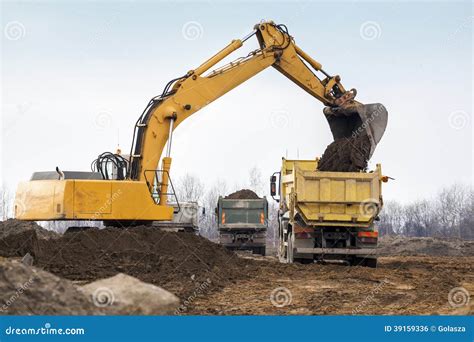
point(242, 223)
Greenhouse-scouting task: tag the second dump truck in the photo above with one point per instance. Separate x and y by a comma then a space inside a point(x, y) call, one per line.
point(243, 223)
point(327, 215)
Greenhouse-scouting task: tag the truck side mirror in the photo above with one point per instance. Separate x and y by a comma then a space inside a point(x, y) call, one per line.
point(273, 191)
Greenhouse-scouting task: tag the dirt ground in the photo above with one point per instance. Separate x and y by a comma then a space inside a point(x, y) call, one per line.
point(412, 285)
point(414, 276)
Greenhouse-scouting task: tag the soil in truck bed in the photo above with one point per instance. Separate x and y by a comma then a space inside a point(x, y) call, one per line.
point(243, 194)
point(346, 155)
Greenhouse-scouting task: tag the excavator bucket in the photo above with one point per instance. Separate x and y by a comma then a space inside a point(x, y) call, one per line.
point(370, 119)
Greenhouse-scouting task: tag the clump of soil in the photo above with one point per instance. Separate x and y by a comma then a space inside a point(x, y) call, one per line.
point(178, 262)
point(402, 245)
point(243, 194)
point(20, 237)
point(29, 291)
point(346, 154)
point(18, 244)
point(12, 227)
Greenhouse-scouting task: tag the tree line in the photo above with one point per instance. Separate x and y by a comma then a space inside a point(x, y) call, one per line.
point(449, 213)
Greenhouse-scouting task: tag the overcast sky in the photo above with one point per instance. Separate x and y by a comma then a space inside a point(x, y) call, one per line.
point(76, 75)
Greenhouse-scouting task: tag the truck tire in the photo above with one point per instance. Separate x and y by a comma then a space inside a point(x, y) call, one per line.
point(365, 262)
point(262, 251)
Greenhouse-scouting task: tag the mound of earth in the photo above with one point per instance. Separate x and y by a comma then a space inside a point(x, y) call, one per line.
point(243, 194)
point(27, 290)
point(346, 154)
point(178, 262)
point(19, 244)
point(126, 295)
point(12, 227)
point(402, 245)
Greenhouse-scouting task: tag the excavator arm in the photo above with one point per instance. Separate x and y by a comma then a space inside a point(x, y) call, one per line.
point(194, 91)
point(181, 98)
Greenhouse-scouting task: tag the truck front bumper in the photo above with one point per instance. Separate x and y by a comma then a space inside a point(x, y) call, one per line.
point(338, 251)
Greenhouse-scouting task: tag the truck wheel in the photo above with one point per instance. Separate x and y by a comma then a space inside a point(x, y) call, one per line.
point(289, 252)
point(369, 262)
point(366, 262)
point(262, 251)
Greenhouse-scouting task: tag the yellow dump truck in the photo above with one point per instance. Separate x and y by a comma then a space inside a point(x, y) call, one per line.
point(327, 215)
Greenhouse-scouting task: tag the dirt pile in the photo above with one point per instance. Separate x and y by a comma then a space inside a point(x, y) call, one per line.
point(20, 237)
point(126, 295)
point(346, 154)
point(12, 227)
point(243, 194)
point(402, 245)
point(178, 262)
point(29, 291)
point(19, 244)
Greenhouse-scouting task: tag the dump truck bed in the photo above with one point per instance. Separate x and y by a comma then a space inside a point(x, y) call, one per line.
point(331, 198)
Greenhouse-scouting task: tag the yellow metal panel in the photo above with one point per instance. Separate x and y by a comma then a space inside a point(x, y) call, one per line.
point(330, 198)
point(91, 196)
point(43, 199)
point(88, 200)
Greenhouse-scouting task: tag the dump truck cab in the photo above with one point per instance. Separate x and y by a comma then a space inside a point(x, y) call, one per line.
point(327, 215)
point(242, 224)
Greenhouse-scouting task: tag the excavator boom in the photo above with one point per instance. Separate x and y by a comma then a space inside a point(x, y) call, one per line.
point(143, 194)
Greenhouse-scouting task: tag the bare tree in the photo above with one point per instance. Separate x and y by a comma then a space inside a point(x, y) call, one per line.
point(391, 218)
point(453, 204)
point(6, 203)
point(256, 180)
point(273, 224)
point(449, 214)
point(208, 224)
point(189, 188)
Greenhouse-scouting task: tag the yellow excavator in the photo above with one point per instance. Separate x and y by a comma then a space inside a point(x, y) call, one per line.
point(137, 188)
